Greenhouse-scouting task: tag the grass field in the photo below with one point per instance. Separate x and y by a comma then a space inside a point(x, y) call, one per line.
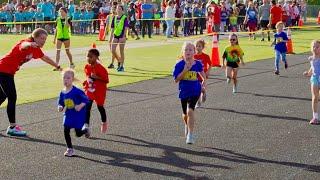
point(39, 83)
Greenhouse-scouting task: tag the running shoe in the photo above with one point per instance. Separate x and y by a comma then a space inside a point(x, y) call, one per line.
point(16, 131)
point(69, 152)
point(235, 89)
point(286, 65)
point(190, 139)
point(314, 121)
point(277, 72)
point(121, 69)
point(104, 127)
point(228, 80)
point(111, 66)
point(72, 66)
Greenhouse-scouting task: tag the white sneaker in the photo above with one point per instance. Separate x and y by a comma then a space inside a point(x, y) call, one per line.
point(69, 152)
point(234, 90)
point(185, 130)
point(72, 66)
point(190, 139)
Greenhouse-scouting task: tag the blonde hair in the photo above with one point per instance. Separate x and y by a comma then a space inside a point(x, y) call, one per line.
point(69, 71)
point(316, 41)
point(185, 44)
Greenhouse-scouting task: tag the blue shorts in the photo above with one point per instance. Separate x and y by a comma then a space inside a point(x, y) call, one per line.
point(315, 80)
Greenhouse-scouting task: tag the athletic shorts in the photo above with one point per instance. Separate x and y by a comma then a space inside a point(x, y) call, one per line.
point(232, 64)
point(177, 23)
point(315, 80)
point(264, 23)
point(191, 101)
point(62, 39)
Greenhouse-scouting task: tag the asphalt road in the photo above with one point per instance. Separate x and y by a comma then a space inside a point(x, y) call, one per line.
point(262, 132)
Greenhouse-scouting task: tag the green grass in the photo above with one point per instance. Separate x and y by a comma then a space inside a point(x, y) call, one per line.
point(39, 83)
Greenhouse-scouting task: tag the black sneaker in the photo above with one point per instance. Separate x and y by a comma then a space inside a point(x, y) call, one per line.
point(269, 38)
point(262, 39)
point(277, 73)
point(111, 66)
point(286, 65)
point(121, 69)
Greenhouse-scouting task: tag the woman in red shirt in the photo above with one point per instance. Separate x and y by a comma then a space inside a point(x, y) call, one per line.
point(21, 53)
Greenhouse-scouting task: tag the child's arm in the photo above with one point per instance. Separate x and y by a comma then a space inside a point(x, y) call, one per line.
point(204, 81)
point(308, 73)
point(60, 103)
point(241, 60)
point(84, 101)
point(103, 76)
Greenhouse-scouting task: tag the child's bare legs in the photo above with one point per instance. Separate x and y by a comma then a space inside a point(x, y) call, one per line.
point(58, 47)
point(228, 74)
point(67, 47)
point(235, 80)
point(315, 96)
point(185, 120)
point(191, 119)
point(122, 45)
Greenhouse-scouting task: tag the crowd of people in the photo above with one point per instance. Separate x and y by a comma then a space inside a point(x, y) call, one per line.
point(147, 18)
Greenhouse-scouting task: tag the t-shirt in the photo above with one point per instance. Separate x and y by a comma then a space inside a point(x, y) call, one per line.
point(280, 44)
point(252, 14)
point(264, 12)
point(205, 60)
point(47, 9)
point(216, 15)
point(71, 117)
point(12, 61)
point(146, 11)
point(189, 86)
point(38, 16)
point(18, 16)
point(276, 13)
point(233, 53)
point(126, 25)
point(100, 71)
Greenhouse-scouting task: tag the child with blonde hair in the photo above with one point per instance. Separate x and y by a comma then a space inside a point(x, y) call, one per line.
point(72, 101)
point(186, 73)
point(314, 72)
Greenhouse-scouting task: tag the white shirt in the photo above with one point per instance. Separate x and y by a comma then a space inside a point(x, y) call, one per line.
point(170, 12)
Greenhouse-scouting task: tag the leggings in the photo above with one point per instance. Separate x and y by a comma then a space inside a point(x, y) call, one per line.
point(79, 133)
point(8, 90)
point(101, 110)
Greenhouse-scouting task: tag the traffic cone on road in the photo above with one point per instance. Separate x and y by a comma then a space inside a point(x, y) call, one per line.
point(215, 58)
point(102, 35)
point(319, 17)
point(289, 43)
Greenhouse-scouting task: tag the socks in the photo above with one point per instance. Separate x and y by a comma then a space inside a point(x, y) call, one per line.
point(315, 115)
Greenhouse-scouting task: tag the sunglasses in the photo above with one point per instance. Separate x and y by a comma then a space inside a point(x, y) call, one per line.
point(233, 39)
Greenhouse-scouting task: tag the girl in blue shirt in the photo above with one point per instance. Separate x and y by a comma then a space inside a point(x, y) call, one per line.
point(186, 73)
point(73, 101)
point(314, 72)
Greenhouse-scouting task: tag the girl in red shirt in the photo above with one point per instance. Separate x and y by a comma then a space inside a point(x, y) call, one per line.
point(96, 86)
point(21, 53)
point(206, 62)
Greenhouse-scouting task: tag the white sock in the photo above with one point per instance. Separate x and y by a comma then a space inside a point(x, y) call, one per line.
point(315, 115)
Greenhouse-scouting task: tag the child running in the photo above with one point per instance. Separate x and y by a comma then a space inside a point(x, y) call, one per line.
point(186, 73)
point(233, 54)
point(280, 48)
point(206, 62)
point(96, 87)
point(314, 72)
point(73, 101)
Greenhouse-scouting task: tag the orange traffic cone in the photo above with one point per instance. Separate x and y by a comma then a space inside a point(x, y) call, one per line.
point(300, 22)
point(94, 46)
point(319, 18)
point(102, 35)
point(215, 58)
point(289, 43)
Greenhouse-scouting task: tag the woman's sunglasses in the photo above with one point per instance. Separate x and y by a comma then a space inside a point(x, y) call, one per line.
point(233, 39)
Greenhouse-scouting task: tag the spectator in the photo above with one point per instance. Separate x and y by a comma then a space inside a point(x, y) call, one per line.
point(169, 16)
point(147, 14)
point(275, 15)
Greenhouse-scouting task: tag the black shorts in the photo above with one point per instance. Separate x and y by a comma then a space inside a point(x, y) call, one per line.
point(232, 64)
point(62, 39)
point(273, 26)
point(177, 23)
point(264, 23)
point(192, 101)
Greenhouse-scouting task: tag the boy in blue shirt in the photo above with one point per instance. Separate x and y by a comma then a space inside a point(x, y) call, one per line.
point(73, 101)
point(280, 48)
